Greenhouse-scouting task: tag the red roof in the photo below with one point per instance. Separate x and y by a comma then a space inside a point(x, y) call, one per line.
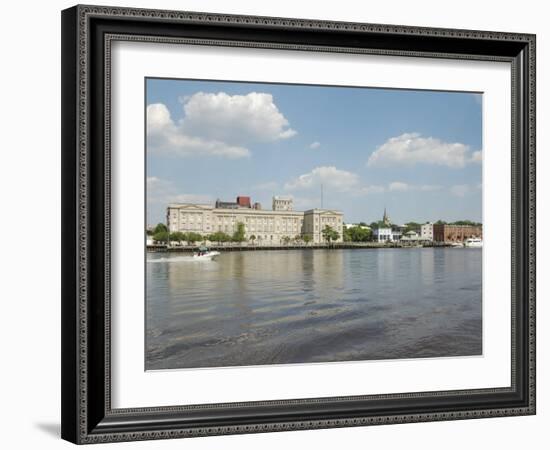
point(243, 201)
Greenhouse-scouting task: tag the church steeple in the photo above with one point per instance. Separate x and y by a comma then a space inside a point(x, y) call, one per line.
point(385, 218)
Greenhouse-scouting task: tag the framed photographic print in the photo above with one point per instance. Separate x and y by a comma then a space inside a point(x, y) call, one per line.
point(279, 224)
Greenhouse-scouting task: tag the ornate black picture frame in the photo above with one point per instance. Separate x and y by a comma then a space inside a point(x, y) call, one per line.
point(87, 34)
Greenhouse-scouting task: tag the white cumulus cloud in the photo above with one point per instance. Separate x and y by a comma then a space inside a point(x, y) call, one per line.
point(412, 148)
point(476, 157)
point(331, 177)
point(165, 136)
point(314, 145)
point(334, 179)
point(399, 186)
point(163, 192)
point(216, 125)
point(253, 117)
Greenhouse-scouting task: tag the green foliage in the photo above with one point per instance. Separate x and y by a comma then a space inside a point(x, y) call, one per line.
point(238, 236)
point(161, 236)
point(357, 234)
point(412, 226)
point(192, 237)
point(286, 240)
point(298, 238)
point(330, 234)
point(160, 228)
point(459, 222)
point(466, 222)
point(306, 238)
point(177, 236)
point(219, 237)
point(378, 224)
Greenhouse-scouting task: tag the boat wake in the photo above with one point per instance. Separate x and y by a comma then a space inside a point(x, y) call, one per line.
point(177, 259)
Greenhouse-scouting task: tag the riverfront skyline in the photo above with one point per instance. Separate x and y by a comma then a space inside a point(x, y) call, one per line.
point(416, 153)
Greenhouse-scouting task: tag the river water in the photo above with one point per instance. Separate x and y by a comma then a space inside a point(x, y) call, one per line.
point(302, 306)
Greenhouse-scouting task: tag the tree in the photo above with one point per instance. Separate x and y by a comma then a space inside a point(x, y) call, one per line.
point(252, 238)
point(347, 235)
point(159, 228)
point(219, 237)
point(298, 238)
point(378, 224)
point(193, 237)
point(330, 234)
point(466, 222)
point(357, 234)
point(440, 222)
point(286, 240)
point(411, 226)
point(306, 239)
point(177, 236)
point(161, 236)
point(238, 236)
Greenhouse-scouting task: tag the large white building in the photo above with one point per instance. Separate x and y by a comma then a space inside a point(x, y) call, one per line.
point(268, 227)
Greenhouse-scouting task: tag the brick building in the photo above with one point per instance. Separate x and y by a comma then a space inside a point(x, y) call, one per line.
point(456, 233)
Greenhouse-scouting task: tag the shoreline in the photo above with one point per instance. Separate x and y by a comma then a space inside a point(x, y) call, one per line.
point(340, 246)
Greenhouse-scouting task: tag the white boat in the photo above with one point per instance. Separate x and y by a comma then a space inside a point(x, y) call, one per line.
point(457, 245)
point(473, 243)
point(204, 254)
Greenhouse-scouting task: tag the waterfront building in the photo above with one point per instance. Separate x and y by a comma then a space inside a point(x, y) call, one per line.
point(410, 235)
point(427, 232)
point(315, 221)
point(386, 232)
point(282, 204)
point(397, 231)
point(456, 233)
point(383, 234)
point(267, 227)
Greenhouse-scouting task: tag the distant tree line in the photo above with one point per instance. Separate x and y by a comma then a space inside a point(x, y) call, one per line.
point(161, 234)
point(459, 222)
point(358, 233)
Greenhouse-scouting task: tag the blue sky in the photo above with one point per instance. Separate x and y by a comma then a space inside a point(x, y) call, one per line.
point(417, 153)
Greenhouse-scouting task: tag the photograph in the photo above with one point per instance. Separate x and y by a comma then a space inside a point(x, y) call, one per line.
point(300, 224)
point(273, 222)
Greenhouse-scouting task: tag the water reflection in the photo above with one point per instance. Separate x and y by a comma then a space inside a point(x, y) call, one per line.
point(277, 307)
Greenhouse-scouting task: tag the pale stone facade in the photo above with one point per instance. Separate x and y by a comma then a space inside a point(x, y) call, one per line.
point(283, 204)
point(427, 231)
point(267, 227)
point(315, 220)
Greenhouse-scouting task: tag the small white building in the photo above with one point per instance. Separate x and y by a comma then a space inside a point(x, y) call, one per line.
point(427, 231)
point(411, 236)
point(383, 235)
